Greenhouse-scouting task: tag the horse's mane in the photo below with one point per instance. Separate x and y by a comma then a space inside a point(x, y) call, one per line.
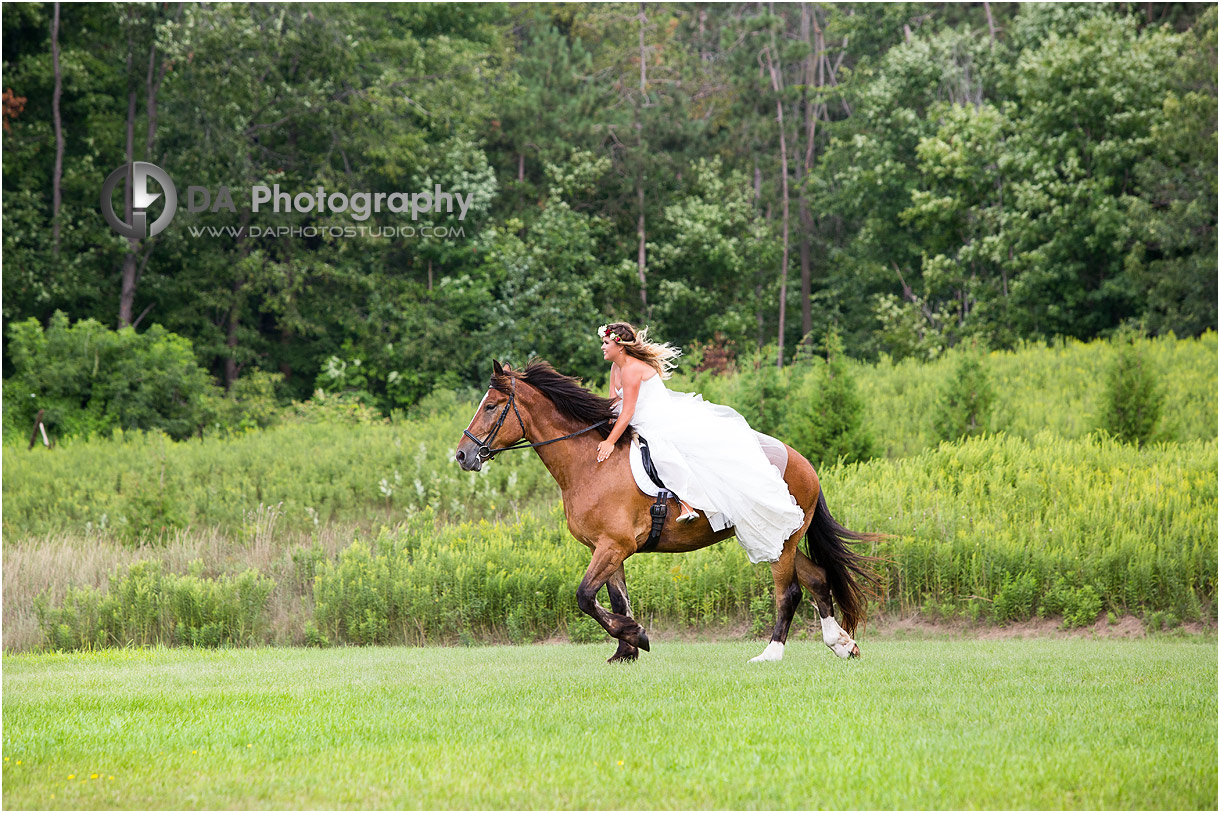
point(567, 394)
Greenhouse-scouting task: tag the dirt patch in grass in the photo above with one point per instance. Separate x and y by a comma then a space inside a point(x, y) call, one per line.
point(916, 627)
point(1127, 626)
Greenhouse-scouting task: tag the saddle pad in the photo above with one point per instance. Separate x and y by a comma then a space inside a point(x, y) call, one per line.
point(772, 448)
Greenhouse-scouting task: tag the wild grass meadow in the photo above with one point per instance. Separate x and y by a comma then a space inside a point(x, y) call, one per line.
point(330, 533)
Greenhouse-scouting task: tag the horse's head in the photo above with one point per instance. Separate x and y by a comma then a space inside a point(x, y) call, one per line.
point(496, 422)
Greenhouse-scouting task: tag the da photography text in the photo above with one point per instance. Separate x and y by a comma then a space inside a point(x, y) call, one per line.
point(358, 205)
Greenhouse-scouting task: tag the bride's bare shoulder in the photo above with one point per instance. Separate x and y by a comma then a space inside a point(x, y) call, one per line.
point(635, 371)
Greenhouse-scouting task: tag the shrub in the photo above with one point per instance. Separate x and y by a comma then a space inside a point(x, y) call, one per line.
point(90, 379)
point(964, 407)
point(251, 402)
point(145, 606)
point(1132, 402)
point(825, 418)
point(761, 392)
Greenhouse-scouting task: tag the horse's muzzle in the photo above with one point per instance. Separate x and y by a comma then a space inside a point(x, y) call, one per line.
point(468, 460)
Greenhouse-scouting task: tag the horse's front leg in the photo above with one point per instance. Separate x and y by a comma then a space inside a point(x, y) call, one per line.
point(608, 557)
point(621, 605)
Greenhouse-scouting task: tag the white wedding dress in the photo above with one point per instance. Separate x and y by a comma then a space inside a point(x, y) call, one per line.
point(710, 457)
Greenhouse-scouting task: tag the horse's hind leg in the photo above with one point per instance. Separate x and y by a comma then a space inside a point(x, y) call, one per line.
point(787, 599)
point(814, 579)
point(621, 605)
point(608, 557)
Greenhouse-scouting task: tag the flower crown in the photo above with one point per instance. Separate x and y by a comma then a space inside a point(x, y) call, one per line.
point(607, 334)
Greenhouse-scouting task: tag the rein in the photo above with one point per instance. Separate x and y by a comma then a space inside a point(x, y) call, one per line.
point(485, 450)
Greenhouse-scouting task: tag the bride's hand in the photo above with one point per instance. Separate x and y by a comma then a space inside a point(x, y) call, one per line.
point(604, 450)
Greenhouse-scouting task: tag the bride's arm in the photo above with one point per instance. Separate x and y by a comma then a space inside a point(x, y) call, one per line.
point(631, 391)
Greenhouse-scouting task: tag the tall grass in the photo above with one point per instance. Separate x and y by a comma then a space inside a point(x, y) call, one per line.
point(992, 529)
point(140, 487)
point(1037, 387)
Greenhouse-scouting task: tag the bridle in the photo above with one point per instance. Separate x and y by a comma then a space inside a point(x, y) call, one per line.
point(484, 445)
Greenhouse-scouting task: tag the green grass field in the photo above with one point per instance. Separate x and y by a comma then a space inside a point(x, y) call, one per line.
point(1041, 723)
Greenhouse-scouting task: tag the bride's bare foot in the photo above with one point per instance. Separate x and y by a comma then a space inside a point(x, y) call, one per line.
point(688, 514)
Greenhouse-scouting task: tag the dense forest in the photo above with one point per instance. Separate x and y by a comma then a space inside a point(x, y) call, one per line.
point(743, 178)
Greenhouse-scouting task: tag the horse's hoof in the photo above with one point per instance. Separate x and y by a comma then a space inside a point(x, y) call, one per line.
point(845, 649)
point(625, 654)
point(773, 652)
point(637, 637)
point(838, 640)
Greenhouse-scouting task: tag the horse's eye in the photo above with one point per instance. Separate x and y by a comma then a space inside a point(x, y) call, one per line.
point(490, 407)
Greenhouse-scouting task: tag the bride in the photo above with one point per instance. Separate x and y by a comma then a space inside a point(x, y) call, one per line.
point(705, 453)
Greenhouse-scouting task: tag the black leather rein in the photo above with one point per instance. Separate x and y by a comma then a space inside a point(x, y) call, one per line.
point(484, 446)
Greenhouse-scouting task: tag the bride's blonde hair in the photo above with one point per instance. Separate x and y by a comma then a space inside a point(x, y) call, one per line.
point(657, 355)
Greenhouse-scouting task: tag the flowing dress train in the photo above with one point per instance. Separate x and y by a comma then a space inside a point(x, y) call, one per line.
point(710, 457)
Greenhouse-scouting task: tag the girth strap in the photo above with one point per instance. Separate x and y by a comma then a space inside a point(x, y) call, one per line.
point(660, 508)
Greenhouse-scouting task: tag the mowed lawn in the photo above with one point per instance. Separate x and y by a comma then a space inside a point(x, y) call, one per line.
point(1041, 723)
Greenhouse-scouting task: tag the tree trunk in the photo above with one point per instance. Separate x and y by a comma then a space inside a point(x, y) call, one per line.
point(703, 54)
point(57, 177)
point(777, 86)
point(806, 220)
point(990, 22)
point(233, 318)
point(641, 234)
point(643, 61)
point(132, 271)
point(811, 125)
point(231, 323)
point(127, 293)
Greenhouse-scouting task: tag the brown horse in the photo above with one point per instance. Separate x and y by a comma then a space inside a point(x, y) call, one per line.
point(563, 422)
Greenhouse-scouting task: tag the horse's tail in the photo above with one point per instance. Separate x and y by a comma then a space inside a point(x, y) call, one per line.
point(846, 571)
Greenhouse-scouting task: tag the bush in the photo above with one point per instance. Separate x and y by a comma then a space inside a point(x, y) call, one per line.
point(251, 402)
point(90, 379)
point(1132, 402)
point(334, 408)
point(964, 408)
point(145, 606)
point(825, 418)
point(761, 393)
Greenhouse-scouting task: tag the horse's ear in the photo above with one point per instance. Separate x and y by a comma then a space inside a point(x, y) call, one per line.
point(496, 369)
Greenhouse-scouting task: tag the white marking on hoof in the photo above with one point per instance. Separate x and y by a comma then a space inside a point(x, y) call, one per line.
point(773, 652)
point(837, 639)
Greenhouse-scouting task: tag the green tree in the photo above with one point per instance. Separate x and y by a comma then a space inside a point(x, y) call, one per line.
point(964, 406)
point(91, 379)
point(1131, 402)
point(825, 418)
point(1172, 262)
